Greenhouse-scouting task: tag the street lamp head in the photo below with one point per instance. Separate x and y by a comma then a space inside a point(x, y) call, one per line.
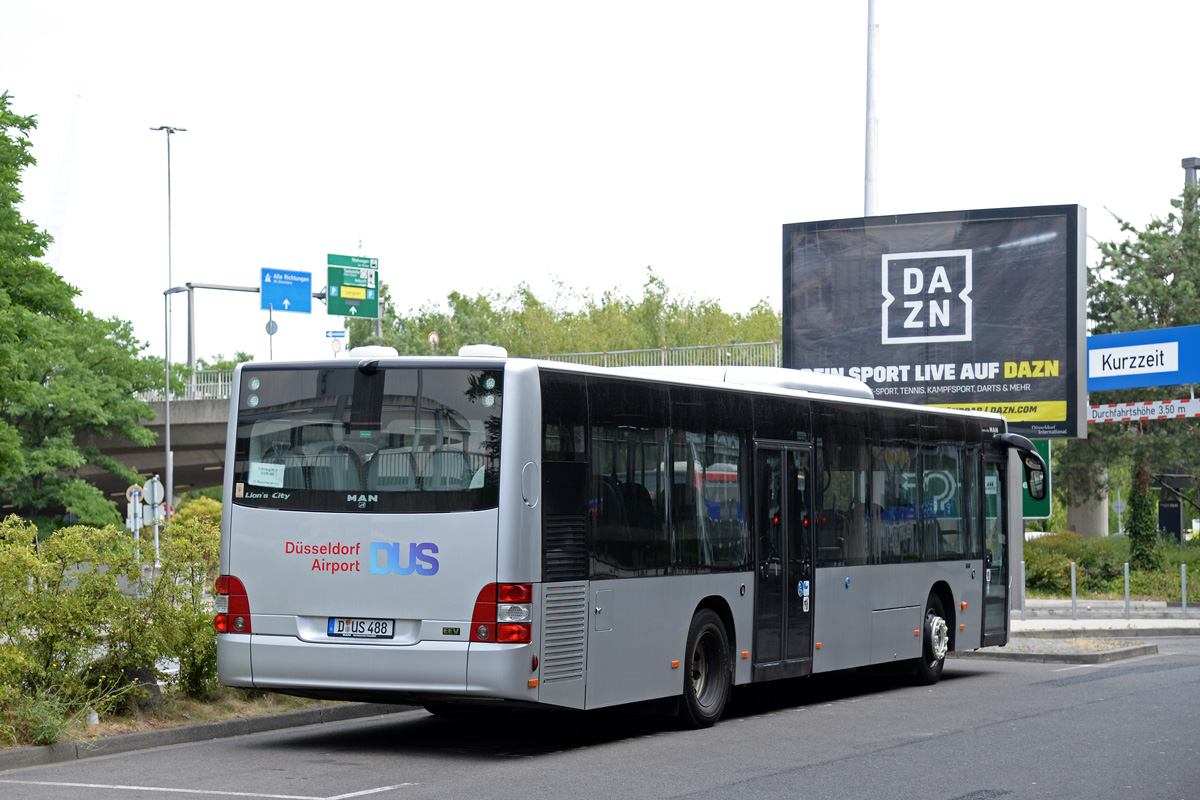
point(169, 129)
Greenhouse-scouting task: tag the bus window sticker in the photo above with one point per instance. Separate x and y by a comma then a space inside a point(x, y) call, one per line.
point(263, 474)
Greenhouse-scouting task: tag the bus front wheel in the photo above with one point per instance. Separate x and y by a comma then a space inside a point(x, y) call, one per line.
point(707, 683)
point(935, 641)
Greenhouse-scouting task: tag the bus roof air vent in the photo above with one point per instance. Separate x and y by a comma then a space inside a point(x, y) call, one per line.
point(364, 350)
point(482, 351)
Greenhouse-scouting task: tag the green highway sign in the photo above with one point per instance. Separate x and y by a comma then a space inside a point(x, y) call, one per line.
point(353, 286)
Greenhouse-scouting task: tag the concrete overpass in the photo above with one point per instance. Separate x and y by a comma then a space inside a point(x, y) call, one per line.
point(198, 430)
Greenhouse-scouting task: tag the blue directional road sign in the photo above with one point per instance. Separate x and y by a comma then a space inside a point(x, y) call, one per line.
point(287, 290)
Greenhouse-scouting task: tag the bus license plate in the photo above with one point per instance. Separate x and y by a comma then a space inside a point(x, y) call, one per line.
point(359, 628)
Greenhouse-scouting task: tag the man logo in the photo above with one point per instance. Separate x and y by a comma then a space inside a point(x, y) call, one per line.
point(934, 292)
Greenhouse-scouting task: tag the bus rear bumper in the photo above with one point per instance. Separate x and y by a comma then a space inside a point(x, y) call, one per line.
point(425, 670)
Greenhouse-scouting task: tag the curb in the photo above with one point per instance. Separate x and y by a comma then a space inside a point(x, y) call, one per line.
point(1101, 657)
point(23, 757)
point(1100, 633)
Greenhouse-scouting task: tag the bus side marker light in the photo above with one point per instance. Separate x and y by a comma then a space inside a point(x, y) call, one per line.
point(964, 605)
point(745, 654)
point(674, 665)
point(916, 633)
point(962, 627)
point(818, 645)
point(533, 683)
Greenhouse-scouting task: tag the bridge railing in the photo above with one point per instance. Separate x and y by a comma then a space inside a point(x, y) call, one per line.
point(203, 384)
point(217, 384)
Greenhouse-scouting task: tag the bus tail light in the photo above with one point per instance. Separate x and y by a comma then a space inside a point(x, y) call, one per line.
point(233, 606)
point(503, 613)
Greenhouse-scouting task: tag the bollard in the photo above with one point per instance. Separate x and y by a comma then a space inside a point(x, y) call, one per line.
point(1126, 590)
point(1022, 590)
point(1074, 612)
point(1183, 578)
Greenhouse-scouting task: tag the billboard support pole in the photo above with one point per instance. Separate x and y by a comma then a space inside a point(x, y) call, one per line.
point(1189, 178)
point(872, 117)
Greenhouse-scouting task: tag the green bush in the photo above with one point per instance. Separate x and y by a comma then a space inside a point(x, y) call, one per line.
point(190, 557)
point(40, 718)
point(80, 618)
point(1048, 561)
point(1100, 567)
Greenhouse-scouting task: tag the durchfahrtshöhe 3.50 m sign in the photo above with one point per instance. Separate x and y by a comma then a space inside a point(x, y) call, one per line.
point(978, 309)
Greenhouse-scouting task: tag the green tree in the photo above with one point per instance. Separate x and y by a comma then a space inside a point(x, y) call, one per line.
point(1149, 280)
point(572, 322)
point(66, 377)
point(219, 361)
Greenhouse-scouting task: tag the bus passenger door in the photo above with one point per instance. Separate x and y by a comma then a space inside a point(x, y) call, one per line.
point(995, 563)
point(783, 562)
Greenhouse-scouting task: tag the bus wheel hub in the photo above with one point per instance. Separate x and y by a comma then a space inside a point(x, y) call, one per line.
point(939, 636)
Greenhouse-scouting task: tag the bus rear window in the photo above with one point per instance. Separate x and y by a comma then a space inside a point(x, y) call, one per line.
point(376, 440)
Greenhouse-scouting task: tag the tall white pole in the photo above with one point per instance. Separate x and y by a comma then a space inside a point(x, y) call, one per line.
point(872, 117)
point(169, 466)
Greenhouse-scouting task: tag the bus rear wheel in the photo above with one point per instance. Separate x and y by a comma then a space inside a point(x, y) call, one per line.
point(710, 675)
point(935, 642)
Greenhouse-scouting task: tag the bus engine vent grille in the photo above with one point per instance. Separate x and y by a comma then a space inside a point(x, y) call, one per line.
point(565, 610)
point(565, 548)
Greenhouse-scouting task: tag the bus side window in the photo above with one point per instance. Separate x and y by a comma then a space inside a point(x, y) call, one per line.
point(843, 515)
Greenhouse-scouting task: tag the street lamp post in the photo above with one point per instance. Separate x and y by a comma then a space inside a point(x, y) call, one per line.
point(169, 471)
point(1190, 165)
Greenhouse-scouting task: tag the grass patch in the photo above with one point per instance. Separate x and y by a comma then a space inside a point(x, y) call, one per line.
point(178, 709)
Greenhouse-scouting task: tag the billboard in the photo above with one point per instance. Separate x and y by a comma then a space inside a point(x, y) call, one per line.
point(978, 309)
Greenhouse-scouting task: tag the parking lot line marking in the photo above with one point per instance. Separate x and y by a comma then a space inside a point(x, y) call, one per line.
point(210, 792)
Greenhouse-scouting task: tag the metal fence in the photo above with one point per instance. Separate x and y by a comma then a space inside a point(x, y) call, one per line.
point(216, 384)
point(203, 384)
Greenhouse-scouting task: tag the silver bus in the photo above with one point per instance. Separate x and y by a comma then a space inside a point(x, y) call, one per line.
point(493, 530)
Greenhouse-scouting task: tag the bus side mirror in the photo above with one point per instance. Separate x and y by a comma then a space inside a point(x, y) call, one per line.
point(1035, 467)
point(1035, 478)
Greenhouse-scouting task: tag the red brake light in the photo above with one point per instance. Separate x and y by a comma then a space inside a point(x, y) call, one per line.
point(233, 606)
point(495, 609)
point(514, 633)
point(514, 593)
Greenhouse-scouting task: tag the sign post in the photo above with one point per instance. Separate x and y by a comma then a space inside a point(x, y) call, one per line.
point(133, 517)
point(353, 286)
point(153, 492)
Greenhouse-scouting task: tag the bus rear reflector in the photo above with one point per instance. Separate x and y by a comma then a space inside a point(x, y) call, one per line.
point(503, 613)
point(233, 606)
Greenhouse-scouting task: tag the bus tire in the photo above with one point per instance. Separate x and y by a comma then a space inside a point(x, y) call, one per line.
point(935, 641)
point(709, 673)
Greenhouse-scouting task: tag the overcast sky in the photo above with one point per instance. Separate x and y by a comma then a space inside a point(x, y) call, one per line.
point(472, 146)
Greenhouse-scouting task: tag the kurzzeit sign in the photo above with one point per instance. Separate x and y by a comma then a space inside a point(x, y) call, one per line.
point(966, 309)
point(1159, 357)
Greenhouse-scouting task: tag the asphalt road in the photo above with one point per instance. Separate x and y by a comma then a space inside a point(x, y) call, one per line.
point(989, 729)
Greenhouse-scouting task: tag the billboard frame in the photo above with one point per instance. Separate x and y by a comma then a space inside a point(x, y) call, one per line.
point(827, 264)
